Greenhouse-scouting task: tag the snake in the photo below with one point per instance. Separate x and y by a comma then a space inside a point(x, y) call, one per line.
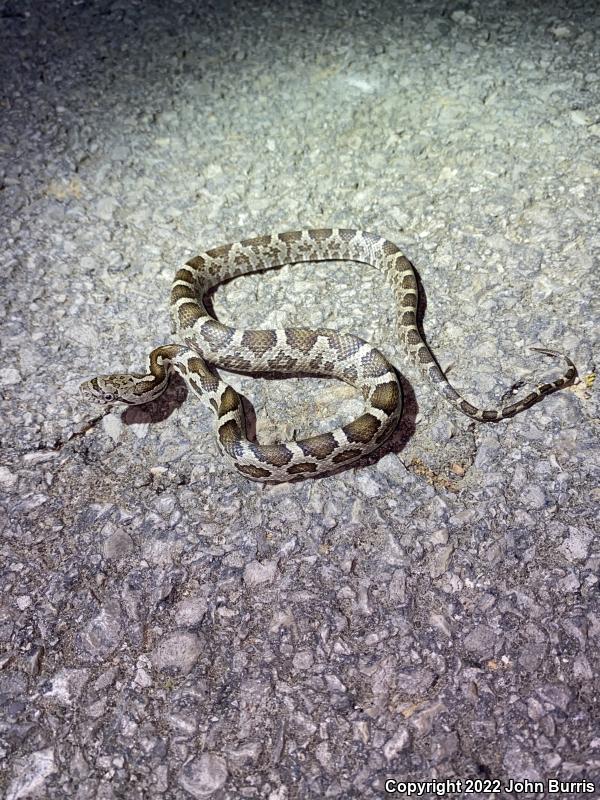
point(202, 343)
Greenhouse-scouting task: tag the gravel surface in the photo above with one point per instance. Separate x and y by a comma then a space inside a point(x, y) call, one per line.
point(169, 629)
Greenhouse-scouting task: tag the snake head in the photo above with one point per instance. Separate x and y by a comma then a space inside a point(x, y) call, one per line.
point(107, 389)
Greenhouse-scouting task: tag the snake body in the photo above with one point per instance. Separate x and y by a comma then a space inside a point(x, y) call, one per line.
point(199, 338)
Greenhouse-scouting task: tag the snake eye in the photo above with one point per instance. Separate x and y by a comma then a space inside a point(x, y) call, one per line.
point(108, 397)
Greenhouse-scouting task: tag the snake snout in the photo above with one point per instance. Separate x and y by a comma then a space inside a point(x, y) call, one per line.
point(94, 391)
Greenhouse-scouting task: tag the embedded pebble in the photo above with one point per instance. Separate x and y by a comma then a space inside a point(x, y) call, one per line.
point(117, 544)
point(256, 573)
point(67, 685)
point(178, 651)
point(533, 497)
point(482, 641)
point(396, 744)
point(9, 376)
point(190, 611)
point(203, 776)
point(32, 771)
point(7, 478)
point(576, 546)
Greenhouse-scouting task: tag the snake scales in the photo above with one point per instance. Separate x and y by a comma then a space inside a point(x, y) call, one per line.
point(200, 339)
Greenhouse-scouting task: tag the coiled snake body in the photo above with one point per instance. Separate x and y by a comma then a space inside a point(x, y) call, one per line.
point(200, 339)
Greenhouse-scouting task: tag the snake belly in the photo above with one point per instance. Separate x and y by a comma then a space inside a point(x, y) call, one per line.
point(202, 343)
